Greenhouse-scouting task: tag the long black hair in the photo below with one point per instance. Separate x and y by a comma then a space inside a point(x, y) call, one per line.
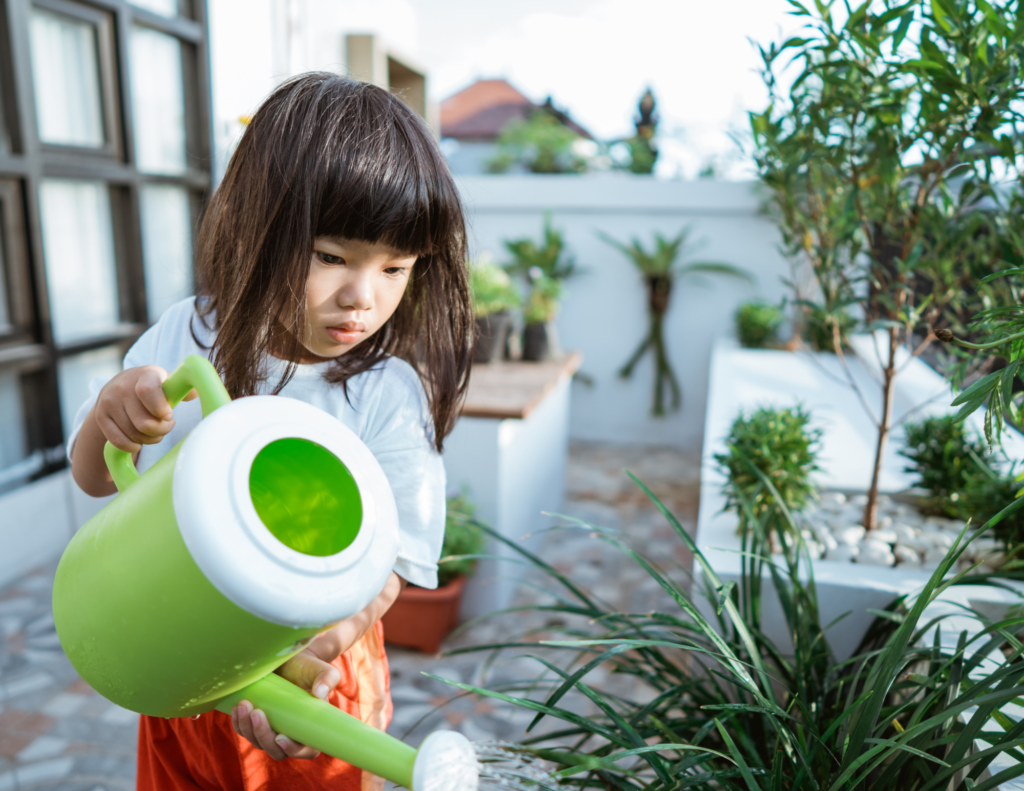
point(329, 156)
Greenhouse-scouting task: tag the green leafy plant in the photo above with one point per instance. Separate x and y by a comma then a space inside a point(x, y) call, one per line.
point(660, 270)
point(769, 466)
point(719, 705)
point(757, 324)
point(959, 471)
point(883, 158)
point(824, 325)
point(542, 144)
point(463, 539)
point(491, 289)
point(947, 461)
point(542, 304)
point(550, 257)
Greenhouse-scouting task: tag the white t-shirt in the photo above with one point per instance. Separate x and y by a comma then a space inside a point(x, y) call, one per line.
point(388, 411)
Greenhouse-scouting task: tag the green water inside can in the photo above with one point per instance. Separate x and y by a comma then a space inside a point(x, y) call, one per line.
point(305, 496)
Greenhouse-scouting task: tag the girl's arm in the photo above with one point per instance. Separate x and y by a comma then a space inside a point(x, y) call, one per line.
point(311, 669)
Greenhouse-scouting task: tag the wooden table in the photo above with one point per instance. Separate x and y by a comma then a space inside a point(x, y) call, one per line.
point(509, 451)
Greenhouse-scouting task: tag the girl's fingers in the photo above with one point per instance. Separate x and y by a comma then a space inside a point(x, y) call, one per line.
point(151, 429)
point(115, 436)
point(311, 673)
point(252, 725)
point(149, 389)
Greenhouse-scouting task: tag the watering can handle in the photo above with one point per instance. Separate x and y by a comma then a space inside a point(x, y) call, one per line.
point(195, 372)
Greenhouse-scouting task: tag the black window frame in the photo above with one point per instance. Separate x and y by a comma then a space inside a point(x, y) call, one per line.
point(29, 348)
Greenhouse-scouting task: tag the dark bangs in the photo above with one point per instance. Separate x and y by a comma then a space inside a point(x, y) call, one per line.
point(381, 177)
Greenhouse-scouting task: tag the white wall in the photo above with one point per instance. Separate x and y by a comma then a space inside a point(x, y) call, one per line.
point(257, 44)
point(604, 314)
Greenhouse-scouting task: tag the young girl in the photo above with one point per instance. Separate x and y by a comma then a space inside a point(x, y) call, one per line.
point(331, 269)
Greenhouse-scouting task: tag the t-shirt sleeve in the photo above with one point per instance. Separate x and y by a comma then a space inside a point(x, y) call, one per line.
point(399, 435)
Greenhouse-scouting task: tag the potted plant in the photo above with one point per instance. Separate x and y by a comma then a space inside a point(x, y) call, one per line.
point(660, 271)
point(493, 294)
point(757, 324)
point(538, 313)
point(421, 618)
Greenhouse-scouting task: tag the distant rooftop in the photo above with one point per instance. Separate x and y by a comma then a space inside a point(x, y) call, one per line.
point(480, 111)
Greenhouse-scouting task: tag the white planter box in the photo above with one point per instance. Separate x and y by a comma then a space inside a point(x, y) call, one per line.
point(745, 380)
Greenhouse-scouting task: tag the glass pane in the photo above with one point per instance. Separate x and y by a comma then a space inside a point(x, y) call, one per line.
point(158, 101)
point(166, 246)
point(162, 7)
point(74, 374)
point(78, 249)
point(66, 79)
point(12, 421)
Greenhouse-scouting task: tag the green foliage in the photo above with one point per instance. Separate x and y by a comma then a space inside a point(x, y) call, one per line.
point(721, 707)
point(542, 304)
point(660, 271)
point(550, 256)
point(543, 144)
point(884, 159)
point(772, 456)
point(959, 472)
point(946, 459)
point(821, 325)
point(491, 288)
point(462, 537)
point(757, 324)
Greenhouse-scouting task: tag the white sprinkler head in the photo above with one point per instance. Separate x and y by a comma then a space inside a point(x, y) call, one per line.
point(446, 761)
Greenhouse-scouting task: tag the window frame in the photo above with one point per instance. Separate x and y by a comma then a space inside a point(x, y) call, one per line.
point(26, 161)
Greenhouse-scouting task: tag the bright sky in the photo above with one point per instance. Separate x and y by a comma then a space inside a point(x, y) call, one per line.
point(595, 57)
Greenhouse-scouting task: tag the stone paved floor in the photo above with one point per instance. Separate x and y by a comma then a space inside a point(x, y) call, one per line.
point(57, 733)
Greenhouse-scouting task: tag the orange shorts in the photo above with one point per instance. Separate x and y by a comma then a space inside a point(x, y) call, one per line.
point(206, 753)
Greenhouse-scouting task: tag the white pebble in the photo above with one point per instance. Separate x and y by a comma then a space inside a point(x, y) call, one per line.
point(886, 536)
point(935, 554)
point(851, 534)
point(875, 553)
point(906, 555)
point(905, 532)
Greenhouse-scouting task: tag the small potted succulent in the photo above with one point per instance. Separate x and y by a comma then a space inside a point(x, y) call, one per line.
point(538, 313)
point(757, 324)
point(493, 294)
point(421, 618)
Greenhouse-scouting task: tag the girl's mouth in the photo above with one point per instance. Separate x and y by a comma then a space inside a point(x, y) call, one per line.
point(348, 333)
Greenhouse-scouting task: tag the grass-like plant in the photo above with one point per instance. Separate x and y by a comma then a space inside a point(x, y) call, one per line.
point(720, 706)
point(542, 303)
point(757, 324)
point(550, 258)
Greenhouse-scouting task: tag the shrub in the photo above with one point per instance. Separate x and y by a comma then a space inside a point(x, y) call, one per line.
point(462, 536)
point(757, 324)
point(773, 446)
point(957, 469)
point(820, 326)
point(491, 288)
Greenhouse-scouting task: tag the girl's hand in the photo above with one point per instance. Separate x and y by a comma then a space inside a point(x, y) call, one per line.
point(133, 411)
point(311, 670)
point(130, 411)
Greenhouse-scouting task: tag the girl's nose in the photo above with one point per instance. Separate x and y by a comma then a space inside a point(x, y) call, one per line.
point(357, 293)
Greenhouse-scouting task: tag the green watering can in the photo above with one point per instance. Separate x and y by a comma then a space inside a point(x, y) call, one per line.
point(270, 522)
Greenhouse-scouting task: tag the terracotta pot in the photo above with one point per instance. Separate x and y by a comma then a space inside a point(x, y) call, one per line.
point(421, 618)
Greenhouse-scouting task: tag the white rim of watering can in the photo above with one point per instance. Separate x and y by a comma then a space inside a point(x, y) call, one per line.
point(235, 550)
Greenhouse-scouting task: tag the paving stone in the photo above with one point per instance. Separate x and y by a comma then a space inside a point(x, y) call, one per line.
point(43, 771)
point(64, 704)
point(43, 747)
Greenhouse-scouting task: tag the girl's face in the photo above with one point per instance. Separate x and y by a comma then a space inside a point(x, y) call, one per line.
point(353, 288)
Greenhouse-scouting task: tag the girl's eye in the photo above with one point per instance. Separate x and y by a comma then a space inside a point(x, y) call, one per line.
point(395, 271)
point(330, 259)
